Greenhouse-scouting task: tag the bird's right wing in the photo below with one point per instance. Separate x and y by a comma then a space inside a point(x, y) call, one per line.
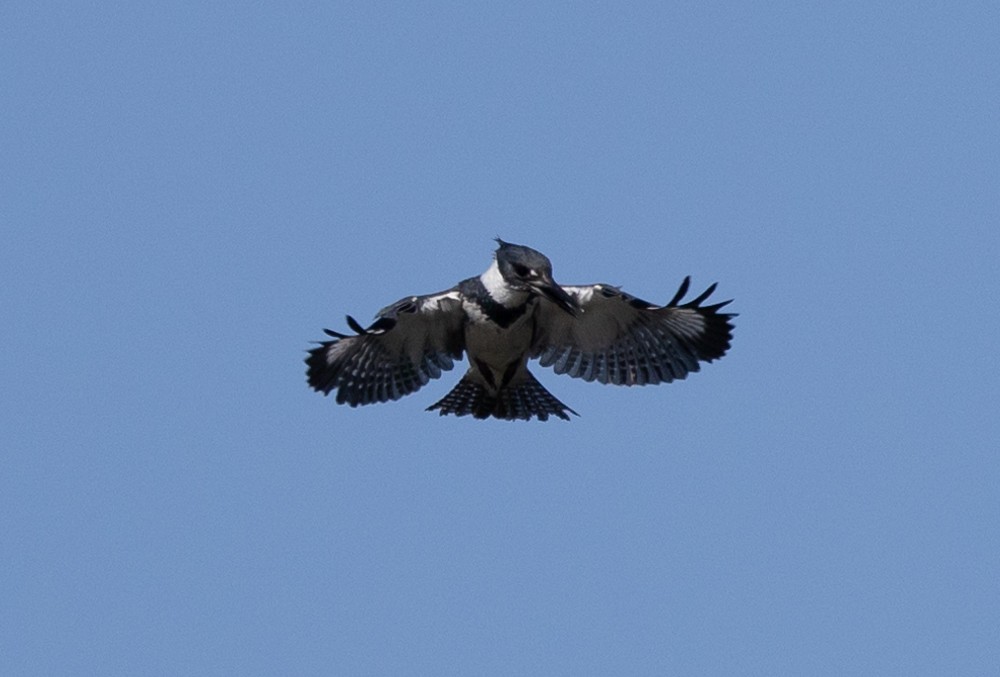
point(411, 342)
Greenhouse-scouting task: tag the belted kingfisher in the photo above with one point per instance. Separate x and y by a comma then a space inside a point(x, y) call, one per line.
point(512, 312)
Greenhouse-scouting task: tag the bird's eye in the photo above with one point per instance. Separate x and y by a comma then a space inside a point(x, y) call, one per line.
point(522, 271)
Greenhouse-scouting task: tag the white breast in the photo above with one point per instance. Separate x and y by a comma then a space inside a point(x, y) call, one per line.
point(492, 344)
point(493, 280)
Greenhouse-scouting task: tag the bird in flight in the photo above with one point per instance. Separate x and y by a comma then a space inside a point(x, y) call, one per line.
point(511, 313)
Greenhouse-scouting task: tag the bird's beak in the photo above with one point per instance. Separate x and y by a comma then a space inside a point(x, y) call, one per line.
point(558, 296)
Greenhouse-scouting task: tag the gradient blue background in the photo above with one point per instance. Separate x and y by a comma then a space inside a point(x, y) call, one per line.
point(192, 191)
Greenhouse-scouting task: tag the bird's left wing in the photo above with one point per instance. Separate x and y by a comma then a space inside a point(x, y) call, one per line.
point(411, 342)
point(623, 340)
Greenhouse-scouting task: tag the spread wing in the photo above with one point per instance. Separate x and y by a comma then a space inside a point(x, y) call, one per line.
point(623, 340)
point(410, 342)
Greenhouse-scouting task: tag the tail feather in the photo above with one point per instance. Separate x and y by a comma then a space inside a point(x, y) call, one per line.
point(523, 401)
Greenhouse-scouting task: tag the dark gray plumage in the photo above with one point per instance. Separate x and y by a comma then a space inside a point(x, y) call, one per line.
point(512, 312)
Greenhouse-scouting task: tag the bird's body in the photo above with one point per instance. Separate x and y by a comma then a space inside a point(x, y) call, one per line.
point(512, 312)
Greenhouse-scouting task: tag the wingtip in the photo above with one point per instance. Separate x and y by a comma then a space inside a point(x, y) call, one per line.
point(355, 325)
point(681, 291)
point(705, 294)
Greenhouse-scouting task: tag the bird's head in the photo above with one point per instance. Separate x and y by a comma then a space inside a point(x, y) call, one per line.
point(526, 269)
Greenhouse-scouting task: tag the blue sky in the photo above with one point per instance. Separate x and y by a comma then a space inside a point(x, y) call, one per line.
point(192, 191)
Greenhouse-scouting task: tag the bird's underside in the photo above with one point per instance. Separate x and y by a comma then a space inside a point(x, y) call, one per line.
point(512, 313)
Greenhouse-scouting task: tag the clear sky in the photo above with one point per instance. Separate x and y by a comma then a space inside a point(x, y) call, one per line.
point(190, 192)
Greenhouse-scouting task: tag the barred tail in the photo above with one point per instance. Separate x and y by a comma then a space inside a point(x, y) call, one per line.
point(523, 400)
